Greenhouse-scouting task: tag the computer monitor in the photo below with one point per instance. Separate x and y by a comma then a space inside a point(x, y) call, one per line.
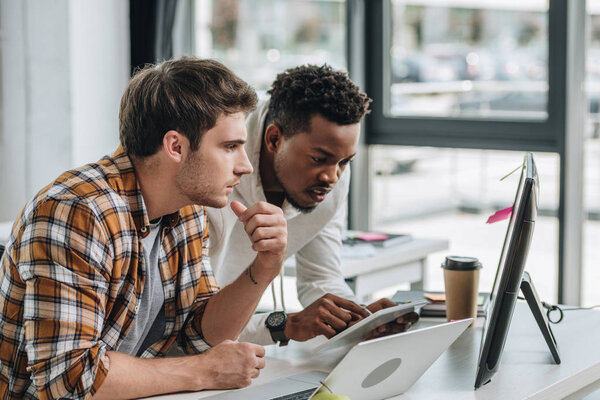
point(510, 272)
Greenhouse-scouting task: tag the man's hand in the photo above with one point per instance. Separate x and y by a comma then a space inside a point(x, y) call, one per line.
point(327, 316)
point(230, 365)
point(267, 229)
point(401, 324)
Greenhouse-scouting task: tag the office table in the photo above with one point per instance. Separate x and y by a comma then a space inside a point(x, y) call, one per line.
point(386, 267)
point(526, 370)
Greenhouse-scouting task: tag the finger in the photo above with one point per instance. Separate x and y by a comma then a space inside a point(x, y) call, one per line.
point(410, 317)
point(355, 316)
point(241, 384)
point(262, 220)
point(398, 328)
point(333, 321)
point(255, 373)
point(267, 245)
point(349, 305)
point(374, 335)
point(352, 323)
point(340, 312)
point(380, 304)
point(260, 363)
point(237, 208)
point(260, 208)
point(259, 350)
point(326, 330)
point(263, 232)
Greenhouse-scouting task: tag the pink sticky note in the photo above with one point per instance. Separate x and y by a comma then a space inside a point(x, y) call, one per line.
point(500, 215)
point(371, 236)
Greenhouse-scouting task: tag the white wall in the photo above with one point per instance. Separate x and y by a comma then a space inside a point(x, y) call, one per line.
point(65, 64)
point(99, 60)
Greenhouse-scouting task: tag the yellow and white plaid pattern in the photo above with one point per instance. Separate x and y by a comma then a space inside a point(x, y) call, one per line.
point(72, 274)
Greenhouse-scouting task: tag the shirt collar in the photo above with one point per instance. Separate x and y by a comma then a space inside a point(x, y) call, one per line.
point(131, 190)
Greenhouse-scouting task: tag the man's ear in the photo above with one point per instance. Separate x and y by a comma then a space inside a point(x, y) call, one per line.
point(175, 145)
point(273, 138)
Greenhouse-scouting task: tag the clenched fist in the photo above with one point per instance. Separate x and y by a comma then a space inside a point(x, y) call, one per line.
point(266, 227)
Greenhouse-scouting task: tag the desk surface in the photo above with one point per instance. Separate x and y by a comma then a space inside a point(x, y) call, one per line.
point(403, 253)
point(526, 370)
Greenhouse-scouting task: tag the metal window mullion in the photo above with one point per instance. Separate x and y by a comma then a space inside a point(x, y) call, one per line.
point(359, 210)
point(571, 212)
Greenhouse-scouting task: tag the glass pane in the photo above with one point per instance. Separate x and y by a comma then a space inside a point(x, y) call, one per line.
point(450, 193)
point(260, 38)
point(591, 228)
point(469, 59)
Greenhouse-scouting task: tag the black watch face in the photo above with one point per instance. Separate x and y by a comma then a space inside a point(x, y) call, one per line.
point(276, 319)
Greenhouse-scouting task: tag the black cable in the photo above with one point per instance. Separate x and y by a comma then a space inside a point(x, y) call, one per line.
point(553, 307)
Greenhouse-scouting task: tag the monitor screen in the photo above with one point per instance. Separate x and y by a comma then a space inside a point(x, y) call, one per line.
point(510, 272)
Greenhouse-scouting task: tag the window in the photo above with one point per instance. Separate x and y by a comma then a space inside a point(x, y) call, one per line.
point(591, 232)
point(450, 193)
point(461, 73)
point(468, 59)
point(434, 109)
point(260, 38)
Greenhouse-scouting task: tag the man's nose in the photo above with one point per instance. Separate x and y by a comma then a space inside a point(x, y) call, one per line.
point(243, 165)
point(330, 174)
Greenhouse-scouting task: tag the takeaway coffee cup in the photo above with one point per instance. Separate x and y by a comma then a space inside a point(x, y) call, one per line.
point(461, 281)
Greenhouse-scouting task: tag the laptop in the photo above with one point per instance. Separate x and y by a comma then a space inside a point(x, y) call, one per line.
point(372, 370)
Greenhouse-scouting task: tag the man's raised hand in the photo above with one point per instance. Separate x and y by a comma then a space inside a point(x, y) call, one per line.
point(266, 227)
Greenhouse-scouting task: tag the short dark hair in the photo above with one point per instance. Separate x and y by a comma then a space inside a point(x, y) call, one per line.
point(297, 94)
point(186, 95)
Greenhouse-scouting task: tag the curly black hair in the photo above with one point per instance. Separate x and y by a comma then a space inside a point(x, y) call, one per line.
point(299, 93)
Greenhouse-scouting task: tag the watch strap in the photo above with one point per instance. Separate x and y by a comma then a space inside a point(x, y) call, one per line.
point(277, 332)
point(279, 336)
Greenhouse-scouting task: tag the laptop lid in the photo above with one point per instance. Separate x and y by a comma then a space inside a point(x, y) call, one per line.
point(388, 366)
point(372, 370)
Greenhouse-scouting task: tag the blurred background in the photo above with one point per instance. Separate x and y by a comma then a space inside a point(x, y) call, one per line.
point(461, 90)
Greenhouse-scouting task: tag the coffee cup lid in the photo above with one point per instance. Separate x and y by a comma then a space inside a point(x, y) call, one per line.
point(459, 263)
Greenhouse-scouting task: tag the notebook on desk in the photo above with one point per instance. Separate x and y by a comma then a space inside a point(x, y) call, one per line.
point(372, 370)
point(436, 308)
point(352, 238)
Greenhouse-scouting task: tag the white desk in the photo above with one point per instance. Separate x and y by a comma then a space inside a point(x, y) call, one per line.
point(387, 267)
point(526, 370)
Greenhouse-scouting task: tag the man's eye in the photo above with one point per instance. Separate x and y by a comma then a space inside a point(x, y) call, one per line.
point(318, 160)
point(346, 162)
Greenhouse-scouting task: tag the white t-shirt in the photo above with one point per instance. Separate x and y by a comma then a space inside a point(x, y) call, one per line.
point(315, 238)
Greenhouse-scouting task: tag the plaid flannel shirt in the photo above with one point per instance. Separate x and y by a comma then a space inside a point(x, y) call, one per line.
point(73, 273)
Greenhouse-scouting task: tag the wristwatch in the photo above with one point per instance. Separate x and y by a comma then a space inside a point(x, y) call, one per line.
point(276, 324)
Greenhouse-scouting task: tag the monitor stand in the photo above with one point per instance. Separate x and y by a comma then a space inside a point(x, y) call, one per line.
point(540, 316)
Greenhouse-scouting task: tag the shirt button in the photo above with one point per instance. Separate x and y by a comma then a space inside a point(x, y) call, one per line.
point(144, 229)
point(137, 307)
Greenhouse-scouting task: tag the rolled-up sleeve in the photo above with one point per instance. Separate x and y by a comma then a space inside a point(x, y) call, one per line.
point(62, 260)
point(191, 339)
point(201, 280)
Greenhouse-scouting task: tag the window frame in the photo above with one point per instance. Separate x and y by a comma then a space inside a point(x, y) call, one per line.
point(484, 133)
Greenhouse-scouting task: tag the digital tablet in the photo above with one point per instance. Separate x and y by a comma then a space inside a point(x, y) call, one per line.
point(362, 329)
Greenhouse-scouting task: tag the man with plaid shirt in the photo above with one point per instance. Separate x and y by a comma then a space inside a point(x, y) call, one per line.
point(107, 266)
